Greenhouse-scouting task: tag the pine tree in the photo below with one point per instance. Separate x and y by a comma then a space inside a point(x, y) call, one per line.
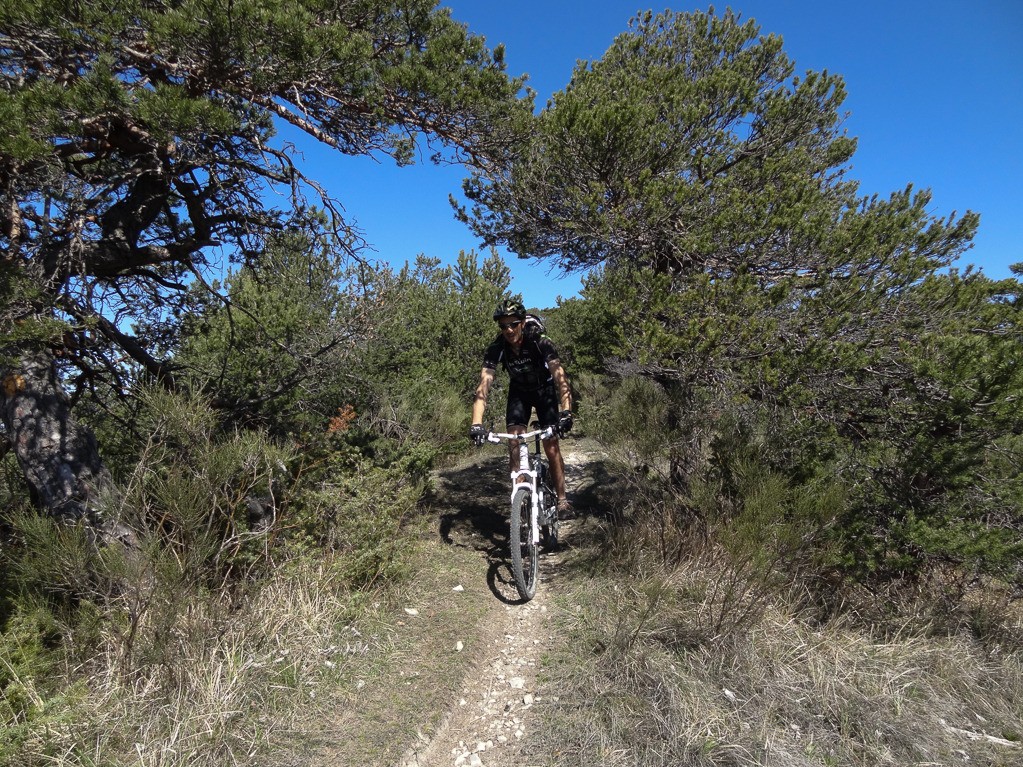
point(138, 146)
point(774, 311)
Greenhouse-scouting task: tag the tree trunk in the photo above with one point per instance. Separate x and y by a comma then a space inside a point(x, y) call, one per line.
point(58, 456)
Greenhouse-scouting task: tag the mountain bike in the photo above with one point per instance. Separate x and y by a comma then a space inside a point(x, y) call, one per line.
point(534, 508)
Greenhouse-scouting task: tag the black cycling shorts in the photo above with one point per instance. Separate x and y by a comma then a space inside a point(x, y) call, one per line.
point(522, 401)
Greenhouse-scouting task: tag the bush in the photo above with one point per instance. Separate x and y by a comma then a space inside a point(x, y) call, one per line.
point(207, 634)
point(708, 493)
point(211, 498)
point(354, 495)
point(36, 713)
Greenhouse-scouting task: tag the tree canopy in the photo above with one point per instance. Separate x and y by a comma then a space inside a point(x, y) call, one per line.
point(761, 309)
point(138, 148)
point(690, 145)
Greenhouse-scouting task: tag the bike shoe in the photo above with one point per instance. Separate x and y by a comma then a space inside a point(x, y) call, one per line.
point(565, 509)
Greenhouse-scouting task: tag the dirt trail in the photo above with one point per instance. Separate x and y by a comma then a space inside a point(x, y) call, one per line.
point(498, 704)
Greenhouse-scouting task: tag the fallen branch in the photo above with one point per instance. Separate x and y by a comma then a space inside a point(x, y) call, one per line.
point(970, 735)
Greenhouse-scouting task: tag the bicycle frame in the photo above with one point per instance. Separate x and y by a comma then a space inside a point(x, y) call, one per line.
point(530, 471)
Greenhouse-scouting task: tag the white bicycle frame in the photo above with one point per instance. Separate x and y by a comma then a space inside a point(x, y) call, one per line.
point(526, 470)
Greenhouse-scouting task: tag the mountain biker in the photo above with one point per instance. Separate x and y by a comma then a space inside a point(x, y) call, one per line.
point(537, 381)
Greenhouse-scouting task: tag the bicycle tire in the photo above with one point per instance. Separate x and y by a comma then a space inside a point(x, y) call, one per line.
point(524, 552)
point(549, 527)
point(549, 531)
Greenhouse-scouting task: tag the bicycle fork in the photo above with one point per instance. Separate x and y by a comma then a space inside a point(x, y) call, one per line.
point(534, 499)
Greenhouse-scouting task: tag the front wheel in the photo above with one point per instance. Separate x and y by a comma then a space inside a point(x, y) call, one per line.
point(523, 548)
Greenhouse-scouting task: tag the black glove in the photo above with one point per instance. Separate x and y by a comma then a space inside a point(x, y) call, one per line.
point(565, 422)
point(477, 434)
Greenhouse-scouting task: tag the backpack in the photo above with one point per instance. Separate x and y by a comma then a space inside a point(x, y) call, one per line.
point(534, 325)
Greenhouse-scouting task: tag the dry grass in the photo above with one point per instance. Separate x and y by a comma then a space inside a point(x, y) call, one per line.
point(241, 676)
point(297, 672)
point(705, 663)
point(661, 688)
point(712, 639)
point(220, 684)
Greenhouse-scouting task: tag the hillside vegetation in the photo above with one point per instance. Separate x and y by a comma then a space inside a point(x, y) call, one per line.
point(218, 494)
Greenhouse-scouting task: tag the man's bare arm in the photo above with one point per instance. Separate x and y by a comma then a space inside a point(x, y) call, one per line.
point(479, 403)
point(561, 382)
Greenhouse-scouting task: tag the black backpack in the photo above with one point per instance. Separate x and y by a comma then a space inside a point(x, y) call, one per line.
point(534, 325)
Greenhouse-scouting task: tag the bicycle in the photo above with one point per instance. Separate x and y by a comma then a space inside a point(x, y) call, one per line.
point(534, 508)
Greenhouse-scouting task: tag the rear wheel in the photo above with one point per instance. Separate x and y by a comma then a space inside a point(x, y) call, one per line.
point(549, 509)
point(524, 559)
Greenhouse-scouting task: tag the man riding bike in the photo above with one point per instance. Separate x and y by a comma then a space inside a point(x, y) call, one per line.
point(538, 381)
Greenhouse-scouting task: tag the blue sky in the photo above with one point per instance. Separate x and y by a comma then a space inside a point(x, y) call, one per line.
point(935, 97)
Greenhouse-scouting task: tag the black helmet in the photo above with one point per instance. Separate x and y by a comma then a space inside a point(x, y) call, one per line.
point(509, 308)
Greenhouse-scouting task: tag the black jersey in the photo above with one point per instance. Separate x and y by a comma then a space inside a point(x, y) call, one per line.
point(528, 368)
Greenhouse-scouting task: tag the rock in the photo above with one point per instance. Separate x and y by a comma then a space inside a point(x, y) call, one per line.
point(517, 682)
point(459, 646)
point(411, 611)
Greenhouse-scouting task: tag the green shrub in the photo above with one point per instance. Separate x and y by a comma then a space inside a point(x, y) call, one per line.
point(37, 714)
point(50, 560)
point(199, 490)
point(708, 492)
point(355, 493)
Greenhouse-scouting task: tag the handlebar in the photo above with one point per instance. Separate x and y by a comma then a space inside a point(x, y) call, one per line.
point(544, 434)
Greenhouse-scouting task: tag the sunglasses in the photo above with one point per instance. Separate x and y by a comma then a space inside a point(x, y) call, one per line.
point(510, 325)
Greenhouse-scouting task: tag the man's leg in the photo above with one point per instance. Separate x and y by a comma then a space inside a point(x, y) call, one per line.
point(547, 412)
point(513, 451)
point(516, 417)
point(557, 463)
